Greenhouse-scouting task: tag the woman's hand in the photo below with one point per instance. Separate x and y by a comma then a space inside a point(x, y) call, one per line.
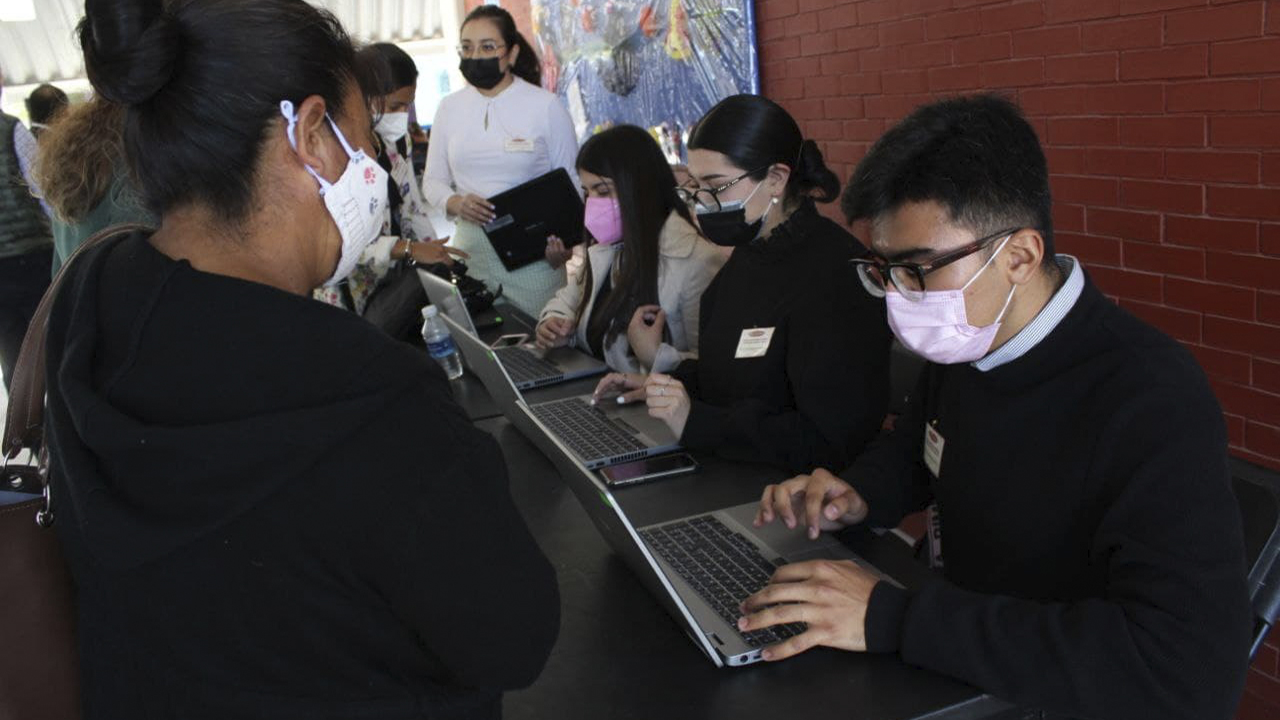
point(557, 253)
point(470, 207)
point(620, 387)
point(431, 252)
point(668, 401)
point(554, 332)
point(644, 333)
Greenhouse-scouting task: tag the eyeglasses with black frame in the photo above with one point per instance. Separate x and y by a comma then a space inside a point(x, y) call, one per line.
point(709, 198)
point(907, 277)
point(485, 49)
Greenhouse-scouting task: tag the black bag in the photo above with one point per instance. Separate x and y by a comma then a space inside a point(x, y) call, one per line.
point(396, 303)
point(39, 662)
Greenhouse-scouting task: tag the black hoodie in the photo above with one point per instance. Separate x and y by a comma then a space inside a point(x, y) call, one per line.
point(271, 510)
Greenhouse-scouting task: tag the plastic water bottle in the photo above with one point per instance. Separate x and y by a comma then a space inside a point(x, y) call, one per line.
point(440, 343)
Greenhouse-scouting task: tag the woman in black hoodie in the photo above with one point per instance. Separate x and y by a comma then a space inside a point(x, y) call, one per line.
point(793, 358)
point(270, 509)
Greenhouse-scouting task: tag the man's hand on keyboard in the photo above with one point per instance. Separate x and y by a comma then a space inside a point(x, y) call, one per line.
point(821, 501)
point(829, 595)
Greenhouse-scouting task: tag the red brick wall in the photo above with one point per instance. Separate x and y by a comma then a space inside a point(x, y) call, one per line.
point(1161, 120)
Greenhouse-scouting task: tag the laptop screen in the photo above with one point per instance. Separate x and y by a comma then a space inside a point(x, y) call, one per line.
point(446, 296)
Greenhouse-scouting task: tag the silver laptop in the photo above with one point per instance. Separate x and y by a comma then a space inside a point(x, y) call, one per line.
point(600, 435)
point(528, 365)
point(700, 568)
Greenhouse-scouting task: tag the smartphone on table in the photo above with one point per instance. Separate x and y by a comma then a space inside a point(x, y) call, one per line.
point(647, 469)
point(507, 341)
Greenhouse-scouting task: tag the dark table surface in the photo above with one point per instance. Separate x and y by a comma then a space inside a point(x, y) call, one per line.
point(620, 655)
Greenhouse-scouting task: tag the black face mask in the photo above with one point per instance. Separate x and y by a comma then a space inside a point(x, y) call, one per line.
point(483, 73)
point(729, 228)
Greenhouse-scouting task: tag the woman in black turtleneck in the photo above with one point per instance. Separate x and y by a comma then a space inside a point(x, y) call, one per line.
point(793, 361)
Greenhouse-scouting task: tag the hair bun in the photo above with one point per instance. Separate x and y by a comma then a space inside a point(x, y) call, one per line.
point(131, 48)
point(813, 176)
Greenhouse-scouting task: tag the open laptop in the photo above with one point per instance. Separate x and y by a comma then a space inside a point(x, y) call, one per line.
point(700, 568)
point(528, 365)
point(600, 435)
point(527, 214)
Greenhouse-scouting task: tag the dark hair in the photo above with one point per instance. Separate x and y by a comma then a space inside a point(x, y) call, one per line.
point(644, 186)
point(527, 66)
point(202, 82)
point(397, 69)
point(755, 134)
point(44, 102)
point(976, 156)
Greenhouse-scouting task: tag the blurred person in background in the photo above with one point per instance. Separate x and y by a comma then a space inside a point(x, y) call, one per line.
point(44, 105)
point(82, 172)
point(26, 246)
point(407, 235)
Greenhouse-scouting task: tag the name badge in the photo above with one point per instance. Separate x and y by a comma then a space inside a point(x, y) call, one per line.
point(754, 343)
point(933, 444)
point(519, 145)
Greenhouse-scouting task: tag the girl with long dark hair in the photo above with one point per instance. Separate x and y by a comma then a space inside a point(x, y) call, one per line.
point(635, 302)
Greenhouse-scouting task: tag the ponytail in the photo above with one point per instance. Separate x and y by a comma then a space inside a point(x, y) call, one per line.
point(812, 177)
point(755, 134)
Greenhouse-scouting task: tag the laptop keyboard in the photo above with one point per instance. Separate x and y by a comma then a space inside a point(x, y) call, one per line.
point(526, 367)
point(723, 566)
point(585, 429)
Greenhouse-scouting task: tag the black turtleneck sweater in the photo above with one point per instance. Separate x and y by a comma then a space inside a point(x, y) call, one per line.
point(1094, 565)
point(820, 392)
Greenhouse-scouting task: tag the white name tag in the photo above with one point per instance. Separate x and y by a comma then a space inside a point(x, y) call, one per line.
point(933, 444)
point(519, 145)
point(754, 343)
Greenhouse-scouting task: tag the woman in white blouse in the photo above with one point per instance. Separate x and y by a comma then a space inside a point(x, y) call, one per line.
point(498, 132)
point(635, 303)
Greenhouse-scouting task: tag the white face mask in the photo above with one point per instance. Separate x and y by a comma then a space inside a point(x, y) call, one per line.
point(393, 126)
point(357, 202)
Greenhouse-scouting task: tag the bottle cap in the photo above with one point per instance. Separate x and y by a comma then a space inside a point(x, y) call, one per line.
point(429, 311)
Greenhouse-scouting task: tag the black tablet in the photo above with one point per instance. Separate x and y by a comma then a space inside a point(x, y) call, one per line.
point(529, 213)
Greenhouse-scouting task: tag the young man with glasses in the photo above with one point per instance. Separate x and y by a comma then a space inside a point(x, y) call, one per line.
point(1074, 457)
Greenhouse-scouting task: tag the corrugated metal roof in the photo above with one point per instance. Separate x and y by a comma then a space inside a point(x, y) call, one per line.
point(46, 50)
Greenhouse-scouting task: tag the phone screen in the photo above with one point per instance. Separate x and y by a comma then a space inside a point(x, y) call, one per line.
point(649, 468)
point(507, 341)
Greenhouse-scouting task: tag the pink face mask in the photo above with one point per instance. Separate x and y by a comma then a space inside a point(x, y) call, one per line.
point(936, 326)
point(604, 219)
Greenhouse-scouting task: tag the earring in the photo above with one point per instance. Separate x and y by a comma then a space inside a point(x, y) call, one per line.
point(774, 201)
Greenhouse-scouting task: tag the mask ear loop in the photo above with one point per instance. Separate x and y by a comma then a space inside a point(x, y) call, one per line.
point(1009, 298)
point(987, 263)
point(290, 115)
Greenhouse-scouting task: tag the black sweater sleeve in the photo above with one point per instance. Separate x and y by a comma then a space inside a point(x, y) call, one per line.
point(837, 364)
point(890, 475)
point(454, 549)
point(1169, 638)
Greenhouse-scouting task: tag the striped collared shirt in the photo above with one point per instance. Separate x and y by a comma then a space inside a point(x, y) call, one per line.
point(1044, 323)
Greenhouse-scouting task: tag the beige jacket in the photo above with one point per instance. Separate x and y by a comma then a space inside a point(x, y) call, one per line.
point(686, 265)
